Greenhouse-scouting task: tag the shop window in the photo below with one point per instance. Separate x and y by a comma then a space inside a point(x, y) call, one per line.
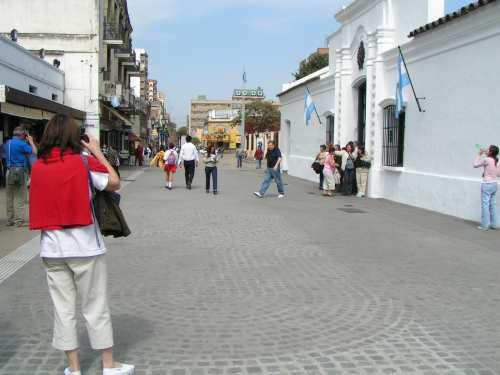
point(393, 137)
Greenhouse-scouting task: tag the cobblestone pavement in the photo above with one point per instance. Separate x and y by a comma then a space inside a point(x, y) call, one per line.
point(230, 284)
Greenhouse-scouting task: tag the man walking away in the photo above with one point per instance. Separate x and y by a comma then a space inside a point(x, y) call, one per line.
point(273, 171)
point(17, 153)
point(189, 155)
point(240, 155)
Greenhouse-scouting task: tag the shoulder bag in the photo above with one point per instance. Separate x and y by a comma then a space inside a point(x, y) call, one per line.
point(107, 211)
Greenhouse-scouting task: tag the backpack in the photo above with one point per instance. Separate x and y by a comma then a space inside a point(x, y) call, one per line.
point(171, 159)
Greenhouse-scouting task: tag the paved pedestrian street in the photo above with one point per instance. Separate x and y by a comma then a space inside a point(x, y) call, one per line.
point(231, 284)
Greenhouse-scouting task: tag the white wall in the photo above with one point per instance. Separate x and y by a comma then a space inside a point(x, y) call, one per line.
point(302, 143)
point(20, 69)
point(456, 68)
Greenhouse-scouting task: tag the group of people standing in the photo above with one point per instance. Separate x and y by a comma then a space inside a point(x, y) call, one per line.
point(342, 169)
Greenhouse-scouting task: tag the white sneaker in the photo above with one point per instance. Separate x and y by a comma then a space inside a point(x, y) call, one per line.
point(483, 229)
point(257, 194)
point(67, 371)
point(281, 196)
point(124, 369)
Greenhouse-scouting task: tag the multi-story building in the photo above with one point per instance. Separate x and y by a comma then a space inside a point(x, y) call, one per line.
point(200, 109)
point(152, 90)
point(91, 42)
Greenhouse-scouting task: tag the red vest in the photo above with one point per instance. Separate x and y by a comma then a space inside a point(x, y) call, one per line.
point(59, 191)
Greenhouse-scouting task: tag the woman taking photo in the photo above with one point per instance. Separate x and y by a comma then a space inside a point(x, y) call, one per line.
point(488, 160)
point(211, 161)
point(72, 248)
point(348, 155)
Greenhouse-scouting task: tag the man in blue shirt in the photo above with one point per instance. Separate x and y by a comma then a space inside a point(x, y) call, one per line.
point(17, 153)
point(3, 165)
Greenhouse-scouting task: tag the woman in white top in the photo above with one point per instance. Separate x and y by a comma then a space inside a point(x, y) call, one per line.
point(170, 167)
point(72, 247)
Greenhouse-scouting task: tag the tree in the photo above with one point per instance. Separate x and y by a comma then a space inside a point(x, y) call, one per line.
point(182, 131)
point(196, 141)
point(314, 63)
point(260, 117)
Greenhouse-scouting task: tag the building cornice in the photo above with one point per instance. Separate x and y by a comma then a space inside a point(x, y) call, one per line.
point(355, 9)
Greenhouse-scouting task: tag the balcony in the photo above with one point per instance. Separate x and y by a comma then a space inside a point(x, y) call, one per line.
point(113, 34)
point(123, 52)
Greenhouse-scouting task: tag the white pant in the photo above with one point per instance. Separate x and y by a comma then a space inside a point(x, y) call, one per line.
point(86, 278)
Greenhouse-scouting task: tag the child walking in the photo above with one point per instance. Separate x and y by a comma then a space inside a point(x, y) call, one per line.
point(170, 167)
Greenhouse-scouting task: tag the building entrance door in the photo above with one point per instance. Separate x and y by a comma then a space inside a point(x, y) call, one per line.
point(362, 113)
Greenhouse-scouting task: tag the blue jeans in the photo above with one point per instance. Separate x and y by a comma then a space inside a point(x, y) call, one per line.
point(259, 164)
point(211, 171)
point(489, 205)
point(269, 176)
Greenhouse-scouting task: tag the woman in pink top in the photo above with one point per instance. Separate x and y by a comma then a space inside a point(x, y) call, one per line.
point(328, 173)
point(488, 160)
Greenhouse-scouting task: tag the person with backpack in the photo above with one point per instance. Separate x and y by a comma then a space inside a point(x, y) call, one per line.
point(488, 160)
point(170, 167)
point(211, 161)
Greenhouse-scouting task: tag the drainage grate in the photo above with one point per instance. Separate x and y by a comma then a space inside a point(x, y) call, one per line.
point(352, 211)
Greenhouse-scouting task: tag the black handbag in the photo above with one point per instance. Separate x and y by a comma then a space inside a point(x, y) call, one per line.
point(317, 167)
point(106, 210)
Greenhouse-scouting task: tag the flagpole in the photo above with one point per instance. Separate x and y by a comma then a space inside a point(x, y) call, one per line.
point(243, 114)
point(411, 82)
point(315, 110)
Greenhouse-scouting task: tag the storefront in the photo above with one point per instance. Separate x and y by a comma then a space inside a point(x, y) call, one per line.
point(21, 108)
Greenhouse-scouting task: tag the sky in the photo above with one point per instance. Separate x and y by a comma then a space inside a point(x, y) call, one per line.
point(201, 47)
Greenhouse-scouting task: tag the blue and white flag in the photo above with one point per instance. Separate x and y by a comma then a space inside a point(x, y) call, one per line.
point(309, 108)
point(403, 81)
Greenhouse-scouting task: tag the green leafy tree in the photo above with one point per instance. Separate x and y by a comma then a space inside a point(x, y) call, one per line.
point(182, 131)
point(260, 117)
point(311, 65)
point(196, 141)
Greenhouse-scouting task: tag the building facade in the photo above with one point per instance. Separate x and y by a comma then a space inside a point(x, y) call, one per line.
point(91, 42)
point(152, 87)
point(425, 158)
point(199, 110)
point(31, 91)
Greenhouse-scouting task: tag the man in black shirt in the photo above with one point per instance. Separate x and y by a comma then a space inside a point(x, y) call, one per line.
point(273, 171)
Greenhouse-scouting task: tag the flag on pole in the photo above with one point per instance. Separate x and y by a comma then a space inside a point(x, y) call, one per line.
point(403, 81)
point(244, 76)
point(309, 107)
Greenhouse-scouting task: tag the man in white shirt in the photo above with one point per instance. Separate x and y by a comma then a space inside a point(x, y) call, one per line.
point(188, 155)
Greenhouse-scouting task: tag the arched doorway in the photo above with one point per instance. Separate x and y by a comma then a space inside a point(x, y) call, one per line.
point(362, 113)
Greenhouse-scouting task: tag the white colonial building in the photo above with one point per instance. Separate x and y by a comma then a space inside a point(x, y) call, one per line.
point(425, 158)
